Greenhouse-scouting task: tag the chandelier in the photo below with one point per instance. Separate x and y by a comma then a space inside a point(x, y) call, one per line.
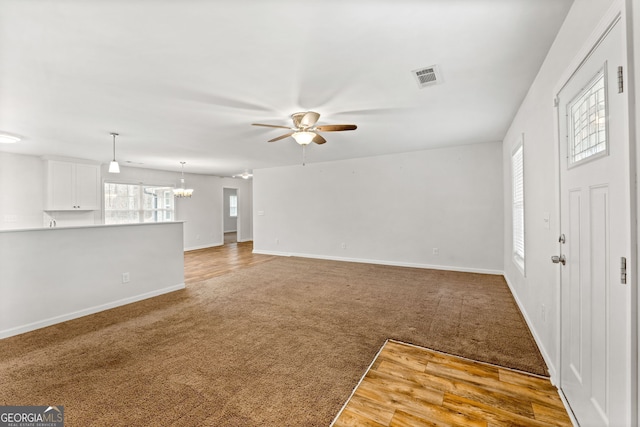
point(181, 191)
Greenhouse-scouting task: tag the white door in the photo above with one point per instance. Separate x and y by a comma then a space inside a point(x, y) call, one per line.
point(595, 221)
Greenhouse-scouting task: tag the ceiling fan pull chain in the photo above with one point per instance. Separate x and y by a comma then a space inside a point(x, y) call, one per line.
point(304, 148)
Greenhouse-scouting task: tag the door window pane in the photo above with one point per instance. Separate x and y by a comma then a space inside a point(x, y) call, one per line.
point(588, 122)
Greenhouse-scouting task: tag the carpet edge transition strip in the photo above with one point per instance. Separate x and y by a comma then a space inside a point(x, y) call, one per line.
point(481, 362)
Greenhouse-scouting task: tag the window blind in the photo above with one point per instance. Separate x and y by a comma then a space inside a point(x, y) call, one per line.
point(517, 168)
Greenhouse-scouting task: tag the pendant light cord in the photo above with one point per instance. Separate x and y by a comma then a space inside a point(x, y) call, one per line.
point(114, 145)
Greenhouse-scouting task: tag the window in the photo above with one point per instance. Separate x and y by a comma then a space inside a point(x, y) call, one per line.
point(233, 206)
point(135, 203)
point(588, 122)
point(517, 185)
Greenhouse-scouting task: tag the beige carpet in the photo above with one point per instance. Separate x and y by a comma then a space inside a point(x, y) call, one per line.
point(279, 344)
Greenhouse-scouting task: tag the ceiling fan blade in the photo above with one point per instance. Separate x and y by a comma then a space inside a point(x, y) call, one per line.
point(281, 137)
point(335, 128)
point(318, 139)
point(309, 119)
point(270, 126)
point(202, 96)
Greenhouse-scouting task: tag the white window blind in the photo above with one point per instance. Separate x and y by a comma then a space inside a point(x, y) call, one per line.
point(517, 173)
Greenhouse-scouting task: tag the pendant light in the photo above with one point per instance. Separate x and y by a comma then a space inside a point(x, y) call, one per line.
point(181, 191)
point(114, 167)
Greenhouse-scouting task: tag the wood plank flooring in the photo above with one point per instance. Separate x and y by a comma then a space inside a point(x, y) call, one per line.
point(230, 237)
point(203, 264)
point(411, 386)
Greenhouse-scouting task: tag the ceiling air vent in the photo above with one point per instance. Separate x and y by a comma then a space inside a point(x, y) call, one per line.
point(427, 76)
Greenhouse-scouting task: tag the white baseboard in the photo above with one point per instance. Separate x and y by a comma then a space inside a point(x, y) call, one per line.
point(210, 245)
point(87, 311)
point(536, 337)
point(384, 262)
point(276, 253)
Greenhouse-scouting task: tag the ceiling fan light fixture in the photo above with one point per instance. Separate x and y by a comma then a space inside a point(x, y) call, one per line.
point(305, 131)
point(244, 175)
point(303, 137)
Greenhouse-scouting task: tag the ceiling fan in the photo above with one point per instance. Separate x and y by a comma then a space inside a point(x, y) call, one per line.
point(305, 130)
point(244, 175)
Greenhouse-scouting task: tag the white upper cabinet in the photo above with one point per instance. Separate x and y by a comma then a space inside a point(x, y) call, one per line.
point(72, 186)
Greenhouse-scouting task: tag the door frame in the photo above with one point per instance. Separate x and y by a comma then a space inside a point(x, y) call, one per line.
point(238, 225)
point(618, 12)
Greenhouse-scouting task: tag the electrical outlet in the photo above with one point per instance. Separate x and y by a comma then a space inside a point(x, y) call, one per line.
point(125, 278)
point(436, 251)
point(543, 312)
point(344, 245)
point(277, 241)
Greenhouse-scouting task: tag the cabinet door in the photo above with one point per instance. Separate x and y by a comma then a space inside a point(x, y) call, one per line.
point(87, 180)
point(60, 192)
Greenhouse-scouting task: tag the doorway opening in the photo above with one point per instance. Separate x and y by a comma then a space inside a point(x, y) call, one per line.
point(230, 221)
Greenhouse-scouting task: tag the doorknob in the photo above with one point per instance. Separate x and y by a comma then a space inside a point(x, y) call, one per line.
point(559, 259)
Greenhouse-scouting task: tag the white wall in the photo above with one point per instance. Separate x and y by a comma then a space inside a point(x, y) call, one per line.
point(230, 222)
point(535, 119)
point(22, 200)
point(21, 191)
point(392, 209)
point(55, 274)
point(201, 213)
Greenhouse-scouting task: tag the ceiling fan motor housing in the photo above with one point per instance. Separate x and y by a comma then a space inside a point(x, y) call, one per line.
point(305, 119)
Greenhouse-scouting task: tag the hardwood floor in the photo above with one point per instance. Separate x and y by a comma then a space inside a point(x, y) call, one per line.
point(410, 386)
point(230, 237)
point(203, 264)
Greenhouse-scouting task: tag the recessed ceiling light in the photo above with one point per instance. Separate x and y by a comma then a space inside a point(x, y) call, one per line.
point(8, 139)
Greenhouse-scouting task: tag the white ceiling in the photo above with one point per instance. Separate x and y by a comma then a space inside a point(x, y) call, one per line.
point(184, 80)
